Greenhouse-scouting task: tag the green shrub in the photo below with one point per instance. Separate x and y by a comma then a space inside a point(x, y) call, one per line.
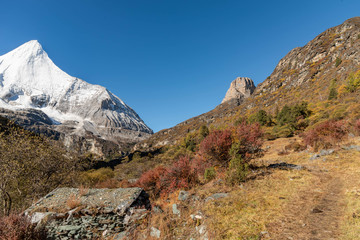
point(136, 156)
point(338, 61)
point(283, 131)
point(209, 174)
point(353, 82)
point(291, 115)
point(203, 132)
point(190, 142)
point(261, 117)
point(92, 177)
point(237, 170)
point(333, 91)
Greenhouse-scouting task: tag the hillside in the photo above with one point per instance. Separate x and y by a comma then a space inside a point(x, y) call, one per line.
point(304, 74)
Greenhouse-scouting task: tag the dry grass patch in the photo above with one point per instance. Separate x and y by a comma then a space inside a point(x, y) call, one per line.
point(248, 210)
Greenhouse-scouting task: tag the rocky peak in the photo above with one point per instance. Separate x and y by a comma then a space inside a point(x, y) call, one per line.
point(240, 88)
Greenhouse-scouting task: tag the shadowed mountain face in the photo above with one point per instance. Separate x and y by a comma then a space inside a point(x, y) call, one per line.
point(31, 85)
point(304, 74)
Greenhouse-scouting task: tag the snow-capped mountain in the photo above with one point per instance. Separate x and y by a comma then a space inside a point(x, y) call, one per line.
point(30, 80)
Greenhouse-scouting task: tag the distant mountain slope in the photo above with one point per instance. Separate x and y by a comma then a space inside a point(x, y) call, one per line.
point(304, 73)
point(32, 85)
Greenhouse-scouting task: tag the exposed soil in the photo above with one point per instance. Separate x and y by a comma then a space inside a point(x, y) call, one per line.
point(315, 212)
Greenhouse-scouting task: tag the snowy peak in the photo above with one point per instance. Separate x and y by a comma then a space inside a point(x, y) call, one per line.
point(26, 52)
point(30, 80)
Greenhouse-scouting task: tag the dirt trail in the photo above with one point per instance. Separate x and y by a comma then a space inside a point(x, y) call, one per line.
point(315, 212)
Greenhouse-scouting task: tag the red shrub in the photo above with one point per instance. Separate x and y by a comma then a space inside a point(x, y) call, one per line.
point(16, 227)
point(150, 181)
point(357, 127)
point(217, 145)
point(325, 135)
point(108, 183)
point(180, 175)
point(249, 138)
point(199, 164)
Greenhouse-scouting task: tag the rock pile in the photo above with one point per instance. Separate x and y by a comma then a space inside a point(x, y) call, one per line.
point(71, 213)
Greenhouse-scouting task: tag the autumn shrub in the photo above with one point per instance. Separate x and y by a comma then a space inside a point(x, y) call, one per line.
point(199, 164)
point(108, 183)
point(216, 145)
point(73, 201)
point(151, 181)
point(17, 227)
point(357, 126)
point(325, 135)
point(248, 139)
point(180, 175)
point(295, 146)
point(31, 166)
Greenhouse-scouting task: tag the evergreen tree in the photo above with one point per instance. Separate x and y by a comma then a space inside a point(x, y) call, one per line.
point(333, 92)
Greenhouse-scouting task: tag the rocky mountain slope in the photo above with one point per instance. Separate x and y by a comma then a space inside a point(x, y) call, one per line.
point(304, 73)
point(40, 96)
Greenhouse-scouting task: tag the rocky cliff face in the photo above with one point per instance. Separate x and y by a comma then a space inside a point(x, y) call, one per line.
point(304, 73)
point(37, 94)
point(240, 88)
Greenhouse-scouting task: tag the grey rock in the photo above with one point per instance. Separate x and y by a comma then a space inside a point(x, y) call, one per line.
point(69, 228)
point(286, 166)
point(120, 236)
point(314, 157)
point(326, 152)
point(175, 209)
point(216, 196)
point(38, 217)
point(183, 195)
point(351, 147)
point(202, 231)
point(155, 232)
point(157, 209)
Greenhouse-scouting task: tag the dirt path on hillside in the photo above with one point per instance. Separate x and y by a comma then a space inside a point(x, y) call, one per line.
point(314, 213)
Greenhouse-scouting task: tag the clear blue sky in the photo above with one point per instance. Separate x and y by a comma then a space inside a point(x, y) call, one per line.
point(169, 60)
